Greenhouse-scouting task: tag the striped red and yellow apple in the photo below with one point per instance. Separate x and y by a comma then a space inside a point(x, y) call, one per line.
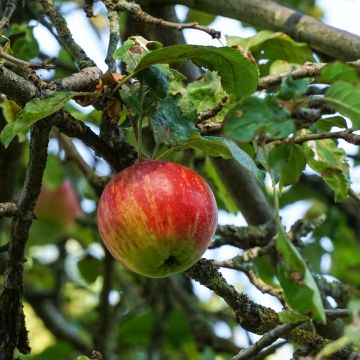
point(157, 218)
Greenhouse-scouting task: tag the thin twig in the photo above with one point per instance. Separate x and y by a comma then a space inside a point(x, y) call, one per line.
point(138, 14)
point(8, 209)
point(270, 350)
point(96, 181)
point(114, 39)
point(25, 64)
point(208, 114)
point(65, 36)
point(264, 341)
point(307, 70)
point(346, 135)
point(337, 313)
point(8, 13)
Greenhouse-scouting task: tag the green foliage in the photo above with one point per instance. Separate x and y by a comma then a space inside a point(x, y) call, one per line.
point(34, 111)
point(338, 71)
point(254, 116)
point(272, 46)
point(54, 174)
point(288, 160)
point(345, 98)
point(238, 75)
point(324, 157)
point(300, 289)
point(201, 17)
point(23, 42)
point(291, 317)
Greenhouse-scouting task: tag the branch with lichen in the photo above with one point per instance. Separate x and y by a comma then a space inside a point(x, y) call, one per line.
point(65, 36)
point(251, 316)
point(140, 15)
point(114, 39)
point(12, 323)
point(8, 209)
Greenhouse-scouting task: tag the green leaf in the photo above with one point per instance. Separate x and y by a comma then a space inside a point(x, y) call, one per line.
point(291, 317)
point(54, 174)
point(90, 268)
point(170, 125)
point(82, 357)
point(227, 149)
point(206, 94)
point(25, 45)
point(221, 192)
point(352, 331)
point(345, 98)
point(324, 157)
point(60, 350)
point(289, 161)
point(34, 111)
point(272, 46)
point(239, 76)
point(291, 89)
point(253, 116)
point(300, 289)
point(156, 78)
point(339, 71)
point(326, 124)
point(133, 50)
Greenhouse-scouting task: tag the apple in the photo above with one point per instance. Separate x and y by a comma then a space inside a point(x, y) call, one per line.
point(59, 207)
point(157, 218)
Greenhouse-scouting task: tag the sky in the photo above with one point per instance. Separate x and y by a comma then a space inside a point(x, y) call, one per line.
point(343, 14)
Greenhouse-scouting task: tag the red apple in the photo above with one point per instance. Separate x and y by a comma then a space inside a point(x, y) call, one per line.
point(60, 206)
point(157, 218)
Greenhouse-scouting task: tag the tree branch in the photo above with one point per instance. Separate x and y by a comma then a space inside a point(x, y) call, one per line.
point(13, 333)
point(273, 16)
point(266, 340)
point(65, 36)
point(139, 15)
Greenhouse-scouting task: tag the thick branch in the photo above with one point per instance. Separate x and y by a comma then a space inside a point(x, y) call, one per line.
point(246, 192)
point(74, 128)
point(13, 333)
point(270, 15)
point(16, 87)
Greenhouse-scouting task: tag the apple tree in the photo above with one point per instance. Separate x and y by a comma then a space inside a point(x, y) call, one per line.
point(269, 121)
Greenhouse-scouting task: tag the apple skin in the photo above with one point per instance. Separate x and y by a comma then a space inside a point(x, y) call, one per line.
point(59, 207)
point(157, 218)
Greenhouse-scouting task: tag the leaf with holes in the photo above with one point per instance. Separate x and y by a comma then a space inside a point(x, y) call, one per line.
point(239, 77)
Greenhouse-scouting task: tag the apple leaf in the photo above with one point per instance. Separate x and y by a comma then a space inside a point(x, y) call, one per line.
point(292, 89)
point(345, 98)
point(54, 172)
point(170, 125)
point(291, 316)
point(272, 46)
point(133, 50)
point(34, 111)
point(339, 71)
point(227, 149)
point(253, 115)
point(324, 157)
point(90, 268)
point(325, 124)
point(300, 289)
point(289, 161)
point(222, 195)
point(239, 77)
